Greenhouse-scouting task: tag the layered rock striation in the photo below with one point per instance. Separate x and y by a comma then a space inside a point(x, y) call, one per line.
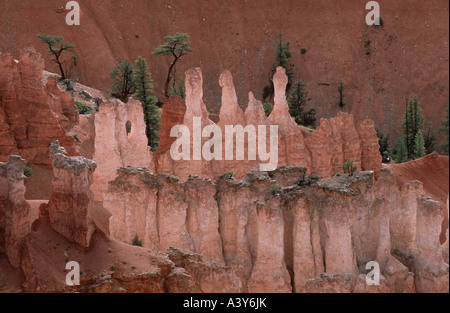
point(282, 233)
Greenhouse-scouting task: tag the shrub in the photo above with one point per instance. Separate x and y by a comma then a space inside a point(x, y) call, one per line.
point(303, 51)
point(268, 108)
point(137, 242)
point(349, 167)
point(228, 175)
point(28, 171)
point(338, 174)
point(274, 190)
point(315, 177)
point(83, 108)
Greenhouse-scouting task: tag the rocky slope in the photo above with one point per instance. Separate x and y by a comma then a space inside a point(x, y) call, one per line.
point(379, 66)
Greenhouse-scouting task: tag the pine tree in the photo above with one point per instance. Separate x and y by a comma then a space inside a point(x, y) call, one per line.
point(296, 101)
point(430, 139)
point(383, 141)
point(176, 47)
point(412, 123)
point(122, 77)
point(419, 145)
point(400, 151)
point(282, 58)
point(178, 87)
point(52, 41)
point(144, 93)
point(444, 130)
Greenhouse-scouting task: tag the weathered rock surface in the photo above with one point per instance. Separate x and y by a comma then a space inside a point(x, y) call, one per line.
point(323, 153)
point(72, 200)
point(280, 233)
point(114, 146)
point(14, 209)
point(33, 113)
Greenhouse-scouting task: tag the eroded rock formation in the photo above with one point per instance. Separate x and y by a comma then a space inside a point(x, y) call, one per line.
point(14, 210)
point(72, 200)
point(33, 112)
point(120, 141)
point(280, 233)
point(335, 141)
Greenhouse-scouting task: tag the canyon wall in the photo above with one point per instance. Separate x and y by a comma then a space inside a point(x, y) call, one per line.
point(380, 67)
point(282, 234)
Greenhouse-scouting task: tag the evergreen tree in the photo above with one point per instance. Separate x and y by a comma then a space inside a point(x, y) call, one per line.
point(282, 58)
point(444, 130)
point(400, 151)
point(176, 47)
point(52, 41)
point(122, 77)
point(412, 123)
point(144, 93)
point(178, 88)
point(430, 139)
point(296, 101)
point(383, 141)
point(419, 145)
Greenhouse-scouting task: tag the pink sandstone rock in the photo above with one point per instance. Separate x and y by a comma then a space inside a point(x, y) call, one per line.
point(269, 273)
point(114, 148)
point(371, 158)
point(14, 209)
point(25, 130)
point(72, 200)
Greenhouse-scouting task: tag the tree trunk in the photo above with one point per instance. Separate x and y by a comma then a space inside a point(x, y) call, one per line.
point(166, 88)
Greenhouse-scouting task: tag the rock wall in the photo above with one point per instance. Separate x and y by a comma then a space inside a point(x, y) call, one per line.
point(33, 112)
point(72, 200)
point(14, 209)
point(323, 153)
point(116, 145)
point(281, 233)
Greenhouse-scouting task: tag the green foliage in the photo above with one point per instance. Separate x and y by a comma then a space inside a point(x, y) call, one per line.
point(303, 51)
point(51, 42)
point(384, 142)
point(137, 242)
point(400, 151)
point(83, 108)
point(412, 123)
point(430, 139)
point(28, 171)
point(175, 46)
point(268, 108)
point(338, 174)
point(178, 88)
point(122, 78)
point(228, 175)
point(68, 84)
point(444, 130)
point(274, 190)
point(341, 94)
point(143, 84)
point(282, 58)
point(349, 167)
point(297, 101)
point(419, 145)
